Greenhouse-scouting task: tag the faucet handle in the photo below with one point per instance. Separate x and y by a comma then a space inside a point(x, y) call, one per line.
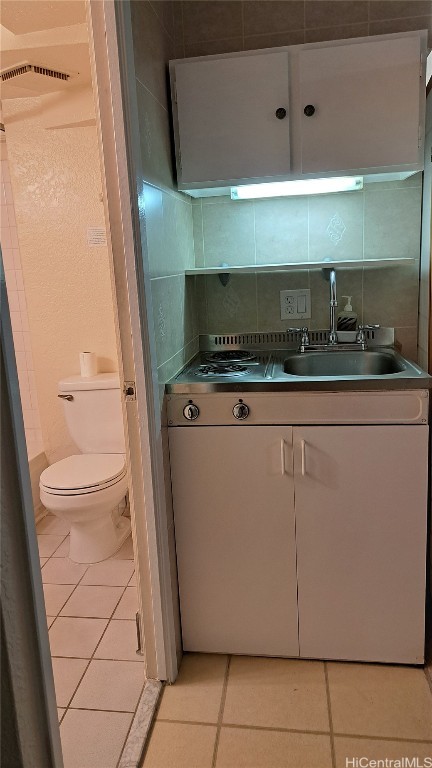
point(361, 336)
point(304, 334)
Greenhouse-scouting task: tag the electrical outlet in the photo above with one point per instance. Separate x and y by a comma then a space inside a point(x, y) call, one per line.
point(295, 305)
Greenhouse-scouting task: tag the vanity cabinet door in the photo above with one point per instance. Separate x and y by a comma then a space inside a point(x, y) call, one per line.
point(235, 538)
point(360, 105)
point(361, 509)
point(227, 127)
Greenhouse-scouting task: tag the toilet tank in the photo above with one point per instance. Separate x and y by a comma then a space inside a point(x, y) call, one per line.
point(93, 412)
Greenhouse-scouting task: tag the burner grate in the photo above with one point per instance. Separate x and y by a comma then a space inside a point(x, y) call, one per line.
point(217, 370)
point(230, 356)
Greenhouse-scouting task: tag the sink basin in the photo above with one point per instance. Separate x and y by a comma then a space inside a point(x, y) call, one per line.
point(337, 363)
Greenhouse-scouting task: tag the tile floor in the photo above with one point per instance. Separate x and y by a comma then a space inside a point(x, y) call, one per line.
point(243, 712)
point(97, 674)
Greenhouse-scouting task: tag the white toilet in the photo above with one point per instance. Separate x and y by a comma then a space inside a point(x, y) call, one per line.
point(87, 488)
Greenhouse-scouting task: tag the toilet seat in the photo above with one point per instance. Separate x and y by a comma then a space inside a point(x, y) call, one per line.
point(83, 474)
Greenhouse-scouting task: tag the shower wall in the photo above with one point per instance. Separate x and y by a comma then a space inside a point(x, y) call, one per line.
point(18, 311)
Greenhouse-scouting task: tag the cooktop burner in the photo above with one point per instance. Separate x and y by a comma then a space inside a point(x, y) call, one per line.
point(225, 370)
point(230, 356)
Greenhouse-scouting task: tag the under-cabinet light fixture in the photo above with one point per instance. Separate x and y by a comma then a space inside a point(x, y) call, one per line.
point(300, 187)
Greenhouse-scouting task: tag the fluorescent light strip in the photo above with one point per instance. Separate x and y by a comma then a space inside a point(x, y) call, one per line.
point(295, 188)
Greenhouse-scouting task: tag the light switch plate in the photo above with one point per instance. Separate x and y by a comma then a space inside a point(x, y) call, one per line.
point(295, 305)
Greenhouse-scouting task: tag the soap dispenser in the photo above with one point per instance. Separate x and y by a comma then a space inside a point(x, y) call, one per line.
point(347, 320)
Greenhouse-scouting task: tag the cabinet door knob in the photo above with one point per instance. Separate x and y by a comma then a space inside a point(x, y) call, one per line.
point(280, 113)
point(309, 110)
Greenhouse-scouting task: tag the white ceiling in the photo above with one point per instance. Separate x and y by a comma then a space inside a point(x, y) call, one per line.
point(23, 16)
point(47, 33)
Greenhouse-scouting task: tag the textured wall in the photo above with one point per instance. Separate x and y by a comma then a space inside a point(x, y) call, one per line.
point(56, 186)
point(383, 221)
point(18, 311)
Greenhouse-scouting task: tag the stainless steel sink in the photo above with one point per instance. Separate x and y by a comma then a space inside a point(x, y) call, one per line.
point(338, 363)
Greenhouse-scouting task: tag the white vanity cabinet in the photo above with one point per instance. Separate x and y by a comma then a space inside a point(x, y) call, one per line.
point(329, 519)
point(235, 539)
point(300, 111)
point(361, 517)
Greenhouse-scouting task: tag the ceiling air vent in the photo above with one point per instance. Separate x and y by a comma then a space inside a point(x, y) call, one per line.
point(23, 69)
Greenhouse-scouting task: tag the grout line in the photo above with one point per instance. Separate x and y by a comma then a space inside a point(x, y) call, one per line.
point(242, 25)
point(298, 730)
point(165, 109)
point(221, 711)
point(332, 746)
point(94, 709)
point(182, 31)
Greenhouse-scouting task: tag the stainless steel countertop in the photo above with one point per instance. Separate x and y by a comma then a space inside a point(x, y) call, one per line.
point(269, 376)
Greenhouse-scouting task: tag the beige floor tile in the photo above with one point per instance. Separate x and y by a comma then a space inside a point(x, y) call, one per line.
point(110, 573)
point(114, 685)
point(119, 642)
point(96, 602)
point(50, 620)
point(63, 549)
point(55, 597)
point(43, 560)
point(75, 637)
point(125, 552)
point(67, 674)
point(247, 748)
point(48, 543)
point(128, 605)
point(133, 581)
point(53, 524)
point(93, 739)
point(196, 694)
point(348, 749)
point(277, 693)
point(174, 745)
point(61, 570)
point(374, 700)
point(60, 713)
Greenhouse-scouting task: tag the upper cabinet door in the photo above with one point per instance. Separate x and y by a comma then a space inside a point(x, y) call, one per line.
point(366, 100)
point(227, 123)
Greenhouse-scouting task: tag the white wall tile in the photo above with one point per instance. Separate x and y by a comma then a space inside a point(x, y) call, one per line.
point(18, 313)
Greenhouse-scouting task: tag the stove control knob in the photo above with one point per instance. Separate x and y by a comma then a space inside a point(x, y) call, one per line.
point(191, 411)
point(240, 411)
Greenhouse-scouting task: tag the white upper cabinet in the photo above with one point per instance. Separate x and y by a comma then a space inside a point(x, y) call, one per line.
point(233, 118)
point(360, 105)
point(241, 117)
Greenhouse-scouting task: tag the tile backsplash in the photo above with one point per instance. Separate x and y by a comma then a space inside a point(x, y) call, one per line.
point(383, 221)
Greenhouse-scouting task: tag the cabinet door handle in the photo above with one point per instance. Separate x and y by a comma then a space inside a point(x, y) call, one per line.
point(282, 456)
point(303, 457)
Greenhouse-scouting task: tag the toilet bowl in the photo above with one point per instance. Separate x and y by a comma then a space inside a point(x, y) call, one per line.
point(86, 490)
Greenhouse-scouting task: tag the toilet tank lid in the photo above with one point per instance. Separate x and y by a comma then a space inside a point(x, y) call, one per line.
point(100, 381)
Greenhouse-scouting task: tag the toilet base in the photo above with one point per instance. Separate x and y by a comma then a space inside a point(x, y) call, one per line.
point(95, 540)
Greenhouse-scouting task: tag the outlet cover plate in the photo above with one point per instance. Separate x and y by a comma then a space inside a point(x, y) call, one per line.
point(295, 305)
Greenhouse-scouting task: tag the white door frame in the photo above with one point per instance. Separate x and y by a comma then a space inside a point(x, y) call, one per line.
point(113, 74)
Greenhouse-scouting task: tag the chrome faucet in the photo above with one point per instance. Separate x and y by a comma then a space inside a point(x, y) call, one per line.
point(333, 337)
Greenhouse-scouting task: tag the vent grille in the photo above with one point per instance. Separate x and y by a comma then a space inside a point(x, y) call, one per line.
point(24, 68)
point(283, 339)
